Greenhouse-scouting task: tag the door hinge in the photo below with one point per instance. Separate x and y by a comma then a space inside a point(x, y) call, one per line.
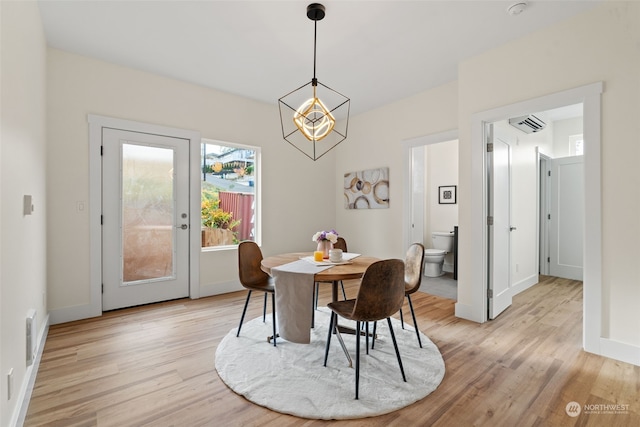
point(102, 288)
point(489, 293)
point(549, 172)
point(101, 150)
point(548, 259)
point(490, 147)
point(548, 216)
point(101, 218)
point(489, 220)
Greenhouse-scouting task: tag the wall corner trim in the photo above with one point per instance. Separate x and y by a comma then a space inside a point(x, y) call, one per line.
point(20, 413)
point(468, 312)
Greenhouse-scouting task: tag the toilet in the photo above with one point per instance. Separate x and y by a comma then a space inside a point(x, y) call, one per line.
point(442, 243)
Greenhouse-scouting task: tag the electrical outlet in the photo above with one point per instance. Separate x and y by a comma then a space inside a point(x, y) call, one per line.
point(9, 384)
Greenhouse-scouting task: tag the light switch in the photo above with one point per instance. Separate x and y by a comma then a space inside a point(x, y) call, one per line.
point(28, 205)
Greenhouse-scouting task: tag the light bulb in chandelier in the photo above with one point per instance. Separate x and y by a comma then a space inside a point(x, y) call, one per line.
point(314, 120)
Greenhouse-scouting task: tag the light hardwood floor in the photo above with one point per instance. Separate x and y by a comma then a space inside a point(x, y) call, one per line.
point(154, 366)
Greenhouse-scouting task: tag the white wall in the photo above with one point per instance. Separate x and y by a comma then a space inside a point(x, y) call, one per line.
point(22, 164)
point(599, 45)
point(298, 194)
point(375, 140)
point(442, 170)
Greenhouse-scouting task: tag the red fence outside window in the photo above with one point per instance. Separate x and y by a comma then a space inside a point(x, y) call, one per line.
point(241, 205)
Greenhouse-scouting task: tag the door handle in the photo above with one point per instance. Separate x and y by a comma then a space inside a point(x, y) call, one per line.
point(511, 228)
point(184, 226)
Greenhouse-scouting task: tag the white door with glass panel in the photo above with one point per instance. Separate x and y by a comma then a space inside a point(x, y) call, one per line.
point(145, 206)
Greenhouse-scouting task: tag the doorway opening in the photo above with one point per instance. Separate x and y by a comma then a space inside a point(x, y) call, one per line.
point(561, 198)
point(476, 308)
point(536, 203)
point(430, 186)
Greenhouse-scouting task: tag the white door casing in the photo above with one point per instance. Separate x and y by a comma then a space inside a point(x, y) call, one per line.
point(499, 228)
point(567, 218)
point(418, 195)
point(97, 123)
point(145, 199)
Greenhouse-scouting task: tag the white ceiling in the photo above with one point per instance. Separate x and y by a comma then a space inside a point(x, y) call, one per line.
point(375, 52)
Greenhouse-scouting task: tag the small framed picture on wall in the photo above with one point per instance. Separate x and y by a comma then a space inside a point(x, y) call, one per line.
point(447, 195)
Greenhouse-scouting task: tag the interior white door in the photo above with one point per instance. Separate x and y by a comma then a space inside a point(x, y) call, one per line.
point(499, 191)
point(567, 218)
point(544, 213)
point(145, 205)
point(418, 195)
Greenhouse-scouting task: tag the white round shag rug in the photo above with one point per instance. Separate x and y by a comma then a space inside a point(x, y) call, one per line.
point(291, 378)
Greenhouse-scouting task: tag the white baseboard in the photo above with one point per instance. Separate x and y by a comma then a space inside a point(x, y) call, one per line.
point(524, 284)
point(620, 351)
point(220, 288)
point(447, 267)
point(70, 314)
point(29, 380)
point(86, 311)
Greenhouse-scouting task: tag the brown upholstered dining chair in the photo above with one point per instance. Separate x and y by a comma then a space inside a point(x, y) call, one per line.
point(381, 295)
point(413, 265)
point(254, 279)
point(341, 244)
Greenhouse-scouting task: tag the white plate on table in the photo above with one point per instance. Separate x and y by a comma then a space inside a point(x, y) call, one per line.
point(325, 262)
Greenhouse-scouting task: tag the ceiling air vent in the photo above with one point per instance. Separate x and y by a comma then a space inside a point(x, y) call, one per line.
point(527, 124)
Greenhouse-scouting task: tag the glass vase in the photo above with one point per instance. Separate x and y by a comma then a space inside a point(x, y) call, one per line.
point(324, 246)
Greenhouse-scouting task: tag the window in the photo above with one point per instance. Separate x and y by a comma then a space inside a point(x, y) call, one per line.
point(229, 197)
point(576, 145)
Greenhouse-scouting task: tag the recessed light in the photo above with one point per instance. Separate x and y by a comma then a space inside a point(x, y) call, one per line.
point(516, 8)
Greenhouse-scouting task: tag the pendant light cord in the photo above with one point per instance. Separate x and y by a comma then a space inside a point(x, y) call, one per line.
point(315, 36)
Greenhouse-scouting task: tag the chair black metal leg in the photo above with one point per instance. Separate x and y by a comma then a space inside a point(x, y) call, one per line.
point(415, 323)
point(373, 340)
point(357, 358)
point(326, 350)
point(366, 331)
point(264, 308)
point(344, 294)
point(401, 319)
point(316, 285)
point(244, 311)
point(395, 345)
point(273, 316)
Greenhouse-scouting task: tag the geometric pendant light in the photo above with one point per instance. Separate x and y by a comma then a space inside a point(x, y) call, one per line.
point(314, 117)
